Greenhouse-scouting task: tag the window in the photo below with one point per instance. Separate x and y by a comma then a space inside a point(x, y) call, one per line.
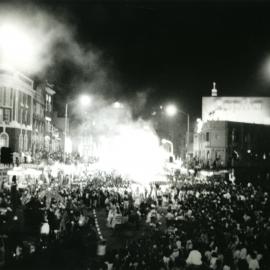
point(25, 117)
point(7, 115)
point(4, 140)
point(8, 97)
point(207, 136)
point(21, 115)
point(1, 96)
point(233, 135)
point(21, 142)
point(1, 115)
point(48, 103)
point(25, 142)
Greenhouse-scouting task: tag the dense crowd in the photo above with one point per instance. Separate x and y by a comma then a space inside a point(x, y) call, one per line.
point(208, 225)
point(191, 224)
point(43, 216)
point(54, 215)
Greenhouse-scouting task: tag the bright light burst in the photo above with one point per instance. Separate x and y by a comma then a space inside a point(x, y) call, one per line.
point(118, 105)
point(171, 110)
point(85, 100)
point(18, 48)
point(134, 153)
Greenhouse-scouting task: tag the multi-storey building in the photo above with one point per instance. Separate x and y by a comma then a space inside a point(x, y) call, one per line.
point(16, 110)
point(26, 115)
point(38, 134)
point(46, 106)
point(232, 144)
point(234, 131)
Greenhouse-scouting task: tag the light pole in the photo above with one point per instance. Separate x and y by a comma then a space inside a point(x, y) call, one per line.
point(84, 101)
point(187, 135)
point(171, 110)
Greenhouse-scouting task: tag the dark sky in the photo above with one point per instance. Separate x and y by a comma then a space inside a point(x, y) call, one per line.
point(178, 49)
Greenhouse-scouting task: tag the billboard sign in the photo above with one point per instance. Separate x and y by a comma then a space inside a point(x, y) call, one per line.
point(254, 110)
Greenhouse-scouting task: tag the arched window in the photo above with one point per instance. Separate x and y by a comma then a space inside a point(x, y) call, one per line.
point(25, 142)
point(4, 140)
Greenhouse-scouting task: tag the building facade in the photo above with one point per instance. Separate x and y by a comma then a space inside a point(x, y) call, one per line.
point(233, 132)
point(26, 115)
point(16, 110)
point(232, 144)
point(38, 133)
point(210, 143)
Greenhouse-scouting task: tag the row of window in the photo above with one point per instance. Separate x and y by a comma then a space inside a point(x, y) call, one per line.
point(23, 141)
point(216, 154)
point(7, 97)
point(206, 136)
point(5, 115)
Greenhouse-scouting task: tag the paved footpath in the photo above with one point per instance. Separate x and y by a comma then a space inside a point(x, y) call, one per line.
point(117, 239)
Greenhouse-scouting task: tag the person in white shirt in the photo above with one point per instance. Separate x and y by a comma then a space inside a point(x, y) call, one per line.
point(194, 258)
point(253, 263)
point(110, 216)
point(117, 218)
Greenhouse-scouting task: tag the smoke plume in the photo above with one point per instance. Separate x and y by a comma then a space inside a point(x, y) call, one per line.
point(121, 142)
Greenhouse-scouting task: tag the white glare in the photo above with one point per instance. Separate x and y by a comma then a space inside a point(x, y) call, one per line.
point(85, 100)
point(199, 125)
point(117, 105)
point(171, 110)
point(68, 145)
point(134, 153)
point(17, 47)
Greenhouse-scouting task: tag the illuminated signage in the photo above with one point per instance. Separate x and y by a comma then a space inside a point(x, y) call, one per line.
point(238, 109)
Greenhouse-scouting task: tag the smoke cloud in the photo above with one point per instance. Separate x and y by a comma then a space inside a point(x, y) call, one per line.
point(121, 142)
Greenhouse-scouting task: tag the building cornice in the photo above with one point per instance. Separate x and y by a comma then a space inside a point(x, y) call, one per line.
point(15, 124)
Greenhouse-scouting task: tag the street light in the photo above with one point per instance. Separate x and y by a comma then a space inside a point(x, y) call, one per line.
point(118, 105)
point(84, 100)
point(187, 135)
point(171, 110)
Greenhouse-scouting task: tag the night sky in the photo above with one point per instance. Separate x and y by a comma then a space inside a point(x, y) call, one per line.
point(175, 50)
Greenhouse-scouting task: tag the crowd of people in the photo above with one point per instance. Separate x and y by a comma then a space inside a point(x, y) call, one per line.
point(189, 224)
point(42, 216)
point(211, 224)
